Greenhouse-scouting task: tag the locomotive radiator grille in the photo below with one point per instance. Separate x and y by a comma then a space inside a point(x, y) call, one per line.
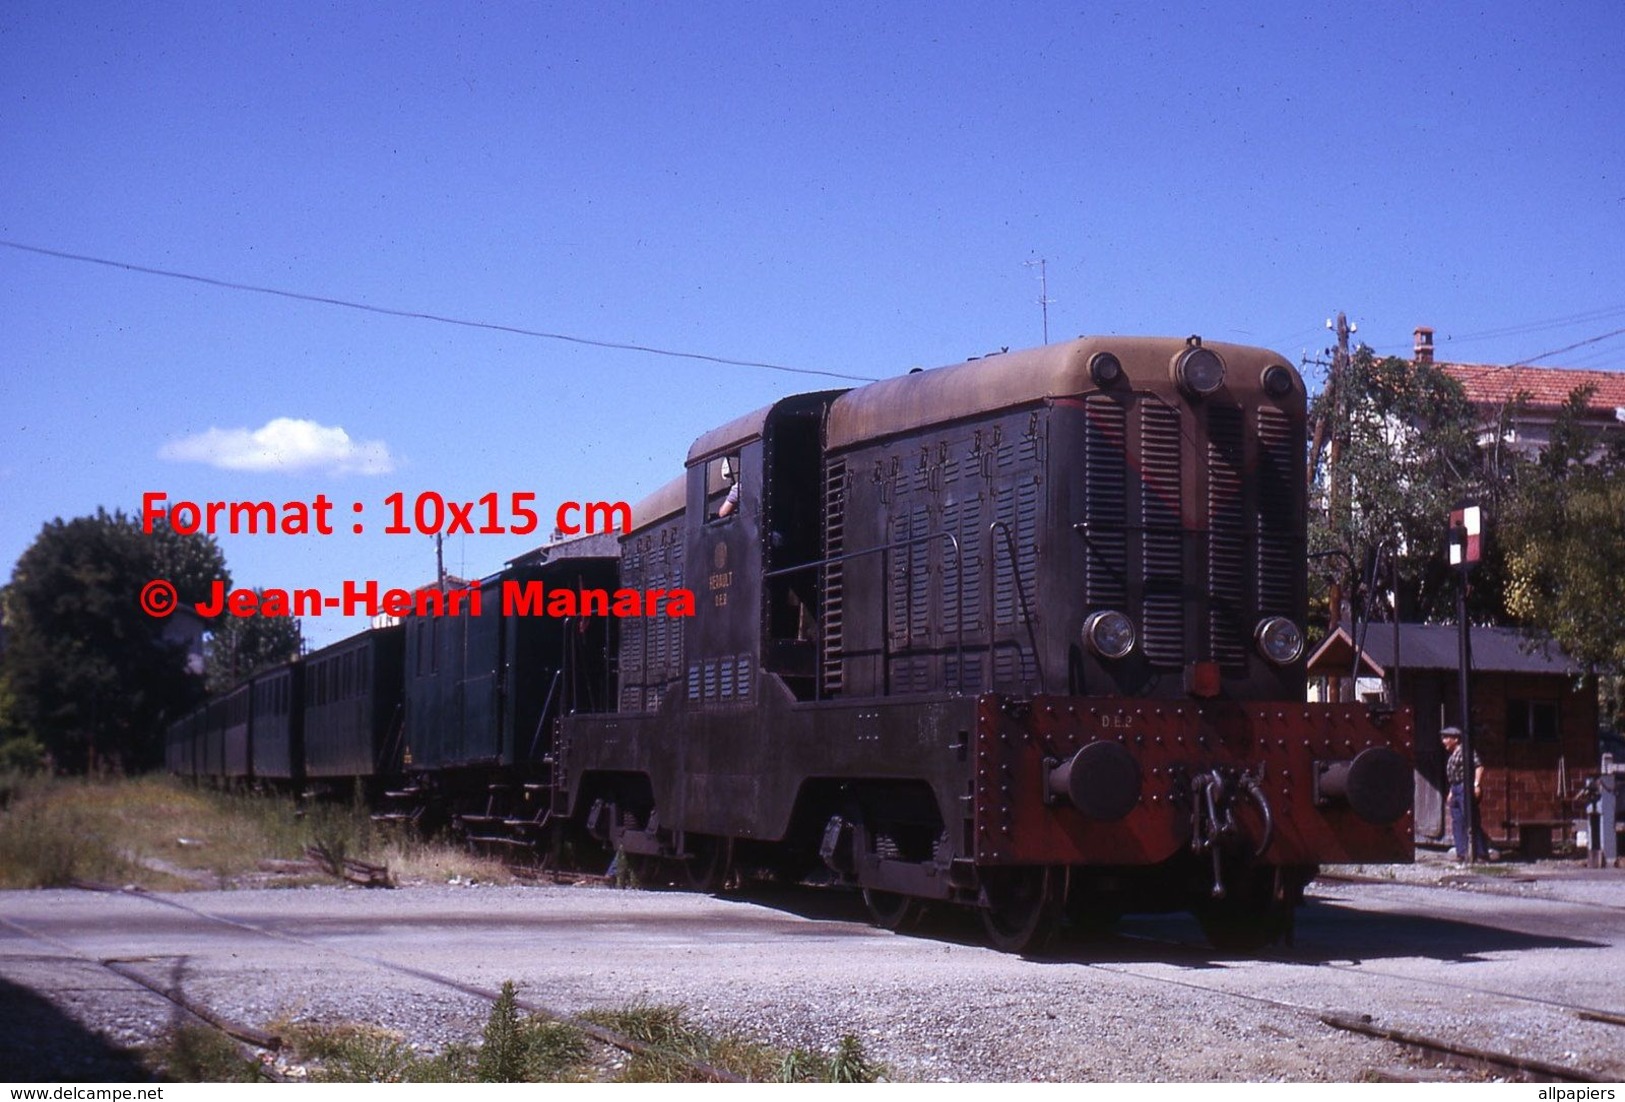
point(1105, 503)
point(1279, 555)
point(1227, 538)
point(1162, 539)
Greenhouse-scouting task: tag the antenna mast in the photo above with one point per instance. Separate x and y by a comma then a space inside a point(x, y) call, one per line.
point(1043, 290)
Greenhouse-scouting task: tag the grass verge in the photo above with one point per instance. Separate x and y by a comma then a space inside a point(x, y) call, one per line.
point(161, 834)
point(516, 1048)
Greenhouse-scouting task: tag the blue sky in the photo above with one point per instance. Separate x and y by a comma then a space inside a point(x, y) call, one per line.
point(854, 188)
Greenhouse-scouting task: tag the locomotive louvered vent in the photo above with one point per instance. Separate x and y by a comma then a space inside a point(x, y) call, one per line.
point(1015, 507)
point(1105, 504)
point(919, 576)
point(1227, 538)
point(961, 567)
point(967, 677)
point(1279, 555)
point(834, 590)
point(672, 654)
point(1162, 559)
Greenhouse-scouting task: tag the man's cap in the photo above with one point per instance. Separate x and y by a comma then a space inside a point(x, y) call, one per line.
point(1450, 732)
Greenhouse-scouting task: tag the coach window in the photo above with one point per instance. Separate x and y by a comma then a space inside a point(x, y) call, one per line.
point(723, 486)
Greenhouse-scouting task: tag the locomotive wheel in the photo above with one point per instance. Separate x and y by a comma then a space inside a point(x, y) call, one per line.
point(1089, 919)
point(891, 911)
point(1249, 919)
point(709, 863)
point(1023, 907)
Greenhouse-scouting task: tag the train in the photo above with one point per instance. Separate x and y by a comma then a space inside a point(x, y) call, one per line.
point(1022, 635)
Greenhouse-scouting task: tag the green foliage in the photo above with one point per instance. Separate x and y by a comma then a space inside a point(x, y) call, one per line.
point(1565, 531)
point(21, 754)
point(1404, 435)
point(1408, 452)
point(674, 1044)
point(851, 1064)
point(502, 1057)
point(241, 646)
point(49, 841)
point(848, 1064)
point(363, 1054)
point(515, 1050)
point(199, 1054)
point(87, 672)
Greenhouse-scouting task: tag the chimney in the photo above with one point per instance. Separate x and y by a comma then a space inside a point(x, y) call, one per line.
point(1423, 348)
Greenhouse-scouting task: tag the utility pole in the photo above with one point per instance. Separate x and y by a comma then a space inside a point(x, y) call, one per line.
point(1043, 290)
point(1331, 426)
point(1465, 542)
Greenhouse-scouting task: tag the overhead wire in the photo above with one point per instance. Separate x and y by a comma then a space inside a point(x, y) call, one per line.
point(419, 315)
point(1538, 326)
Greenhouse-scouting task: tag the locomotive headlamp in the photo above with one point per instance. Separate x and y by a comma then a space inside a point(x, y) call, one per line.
point(1279, 640)
point(1109, 633)
point(1199, 370)
point(1105, 369)
point(1277, 380)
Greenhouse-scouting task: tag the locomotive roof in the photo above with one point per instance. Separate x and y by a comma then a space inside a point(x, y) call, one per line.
point(1002, 381)
point(667, 501)
point(729, 437)
point(742, 430)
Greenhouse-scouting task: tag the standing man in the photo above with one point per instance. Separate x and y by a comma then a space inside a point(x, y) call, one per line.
point(1455, 775)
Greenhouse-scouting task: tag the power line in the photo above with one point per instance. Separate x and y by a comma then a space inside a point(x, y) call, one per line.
point(1529, 361)
point(1539, 326)
point(418, 315)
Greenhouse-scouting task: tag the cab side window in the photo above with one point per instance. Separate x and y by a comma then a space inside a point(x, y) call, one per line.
point(722, 487)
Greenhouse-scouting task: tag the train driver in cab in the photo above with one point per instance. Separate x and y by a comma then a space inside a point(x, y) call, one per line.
point(730, 504)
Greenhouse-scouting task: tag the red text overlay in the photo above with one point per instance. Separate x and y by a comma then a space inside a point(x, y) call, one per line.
point(516, 598)
point(426, 514)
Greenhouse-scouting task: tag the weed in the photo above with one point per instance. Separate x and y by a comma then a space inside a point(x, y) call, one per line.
point(675, 1044)
point(198, 1054)
point(502, 1056)
point(851, 1064)
point(848, 1064)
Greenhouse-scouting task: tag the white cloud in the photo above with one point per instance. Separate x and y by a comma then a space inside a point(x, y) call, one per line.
point(283, 444)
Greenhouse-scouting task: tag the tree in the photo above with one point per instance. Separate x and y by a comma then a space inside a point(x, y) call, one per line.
point(87, 672)
point(1565, 534)
point(1405, 440)
point(241, 646)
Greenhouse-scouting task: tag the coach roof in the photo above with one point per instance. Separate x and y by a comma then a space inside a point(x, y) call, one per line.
point(998, 382)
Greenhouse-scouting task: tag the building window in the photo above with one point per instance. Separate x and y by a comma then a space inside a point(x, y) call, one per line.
point(1532, 720)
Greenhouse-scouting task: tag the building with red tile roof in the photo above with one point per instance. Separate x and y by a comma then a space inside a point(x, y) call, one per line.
point(1529, 398)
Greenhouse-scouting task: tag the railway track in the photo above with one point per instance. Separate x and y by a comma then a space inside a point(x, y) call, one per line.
point(204, 1015)
point(1454, 1053)
point(1320, 994)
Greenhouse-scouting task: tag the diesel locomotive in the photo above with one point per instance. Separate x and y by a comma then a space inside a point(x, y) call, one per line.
point(1023, 635)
